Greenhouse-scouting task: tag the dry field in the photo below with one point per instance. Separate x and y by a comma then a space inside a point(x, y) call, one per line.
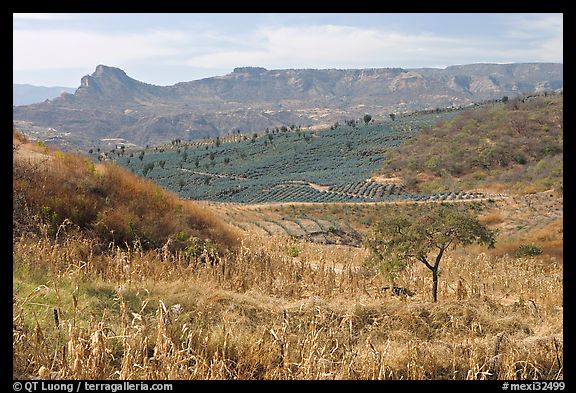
point(265, 314)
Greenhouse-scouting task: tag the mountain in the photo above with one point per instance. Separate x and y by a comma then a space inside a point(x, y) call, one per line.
point(110, 104)
point(24, 94)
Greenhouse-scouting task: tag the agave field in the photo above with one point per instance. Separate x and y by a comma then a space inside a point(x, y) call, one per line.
point(331, 165)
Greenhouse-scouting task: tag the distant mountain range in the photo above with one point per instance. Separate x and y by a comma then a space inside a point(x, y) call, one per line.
point(110, 104)
point(24, 94)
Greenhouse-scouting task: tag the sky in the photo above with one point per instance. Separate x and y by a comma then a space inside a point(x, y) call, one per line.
point(163, 49)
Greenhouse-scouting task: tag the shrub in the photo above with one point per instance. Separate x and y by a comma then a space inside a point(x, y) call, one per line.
point(181, 236)
point(520, 158)
point(527, 250)
point(293, 251)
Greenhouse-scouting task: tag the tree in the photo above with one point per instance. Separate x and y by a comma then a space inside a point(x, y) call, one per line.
point(147, 168)
point(392, 116)
point(424, 235)
point(367, 119)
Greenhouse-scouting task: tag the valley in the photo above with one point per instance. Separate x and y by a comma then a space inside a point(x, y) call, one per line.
point(249, 255)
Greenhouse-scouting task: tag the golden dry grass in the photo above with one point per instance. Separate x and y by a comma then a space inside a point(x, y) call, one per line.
point(112, 203)
point(263, 314)
point(491, 218)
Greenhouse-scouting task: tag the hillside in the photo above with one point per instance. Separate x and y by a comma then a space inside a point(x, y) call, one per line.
point(110, 104)
point(517, 146)
point(285, 165)
point(278, 308)
point(24, 94)
point(64, 191)
point(442, 155)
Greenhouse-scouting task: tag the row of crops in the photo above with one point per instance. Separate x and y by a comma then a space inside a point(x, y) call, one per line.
point(357, 192)
point(367, 189)
point(277, 167)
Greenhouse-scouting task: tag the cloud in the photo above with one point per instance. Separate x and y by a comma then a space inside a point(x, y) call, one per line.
point(332, 46)
point(206, 51)
point(56, 49)
point(536, 25)
point(540, 35)
point(324, 46)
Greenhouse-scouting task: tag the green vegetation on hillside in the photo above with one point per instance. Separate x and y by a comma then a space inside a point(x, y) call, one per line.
point(516, 146)
point(284, 166)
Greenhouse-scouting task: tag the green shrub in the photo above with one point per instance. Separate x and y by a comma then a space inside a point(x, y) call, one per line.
point(181, 236)
point(293, 251)
point(527, 250)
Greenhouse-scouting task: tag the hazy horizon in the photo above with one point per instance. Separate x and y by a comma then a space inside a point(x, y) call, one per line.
point(164, 49)
point(272, 69)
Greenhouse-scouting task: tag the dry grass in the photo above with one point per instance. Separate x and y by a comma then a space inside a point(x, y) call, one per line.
point(520, 147)
point(492, 218)
point(112, 203)
point(263, 314)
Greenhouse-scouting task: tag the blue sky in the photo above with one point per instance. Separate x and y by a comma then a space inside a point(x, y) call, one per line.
point(164, 49)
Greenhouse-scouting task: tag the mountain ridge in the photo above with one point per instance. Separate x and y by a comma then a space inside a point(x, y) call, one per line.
point(108, 103)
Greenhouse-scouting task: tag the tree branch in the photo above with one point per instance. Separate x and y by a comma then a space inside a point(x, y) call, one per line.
point(439, 257)
point(422, 259)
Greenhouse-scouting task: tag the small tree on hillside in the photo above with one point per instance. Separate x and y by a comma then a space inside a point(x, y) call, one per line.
point(367, 119)
point(424, 236)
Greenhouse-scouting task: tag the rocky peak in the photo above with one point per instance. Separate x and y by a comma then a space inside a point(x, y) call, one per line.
point(250, 70)
point(108, 81)
point(103, 71)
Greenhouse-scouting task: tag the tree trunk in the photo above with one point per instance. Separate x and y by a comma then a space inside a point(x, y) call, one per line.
point(435, 274)
point(435, 284)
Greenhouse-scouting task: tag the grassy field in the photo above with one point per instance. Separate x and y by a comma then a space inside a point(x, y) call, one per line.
point(264, 313)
